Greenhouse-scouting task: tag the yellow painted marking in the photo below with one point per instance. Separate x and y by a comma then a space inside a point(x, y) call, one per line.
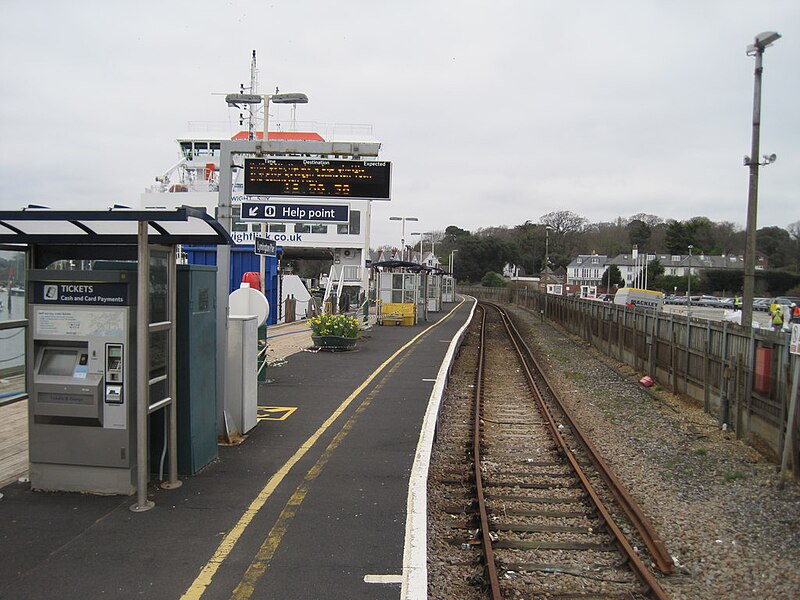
point(204, 578)
point(275, 413)
point(258, 566)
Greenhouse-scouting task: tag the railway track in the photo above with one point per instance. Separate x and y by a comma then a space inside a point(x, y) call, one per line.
point(539, 506)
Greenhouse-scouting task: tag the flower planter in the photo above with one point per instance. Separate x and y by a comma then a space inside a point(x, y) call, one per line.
point(333, 342)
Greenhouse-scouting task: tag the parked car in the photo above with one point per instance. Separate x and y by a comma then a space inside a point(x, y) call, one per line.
point(726, 302)
point(761, 304)
point(786, 300)
point(712, 301)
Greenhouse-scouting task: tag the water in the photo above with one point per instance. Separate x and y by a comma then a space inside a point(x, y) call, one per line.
point(12, 341)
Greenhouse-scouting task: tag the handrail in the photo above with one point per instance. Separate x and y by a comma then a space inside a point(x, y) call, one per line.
point(159, 405)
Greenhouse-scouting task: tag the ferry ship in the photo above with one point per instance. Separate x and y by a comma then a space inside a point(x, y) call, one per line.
point(194, 181)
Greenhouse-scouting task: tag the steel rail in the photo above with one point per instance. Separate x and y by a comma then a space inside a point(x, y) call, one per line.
point(486, 539)
point(639, 569)
point(658, 550)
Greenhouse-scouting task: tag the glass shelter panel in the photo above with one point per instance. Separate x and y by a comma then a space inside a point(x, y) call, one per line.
point(12, 324)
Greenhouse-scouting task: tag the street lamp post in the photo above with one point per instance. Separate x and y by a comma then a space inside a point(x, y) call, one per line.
point(422, 235)
point(275, 99)
point(433, 248)
point(403, 233)
point(452, 257)
point(279, 99)
point(419, 233)
point(762, 41)
point(546, 263)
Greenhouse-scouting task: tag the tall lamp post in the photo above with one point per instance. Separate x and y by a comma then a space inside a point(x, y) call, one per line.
point(762, 41)
point(275, 99)
point(250, 100)
point(419, 233)
point(422, 235)
point(546, 263)
point(403, 233)
point(452, 257)
point(433, 248)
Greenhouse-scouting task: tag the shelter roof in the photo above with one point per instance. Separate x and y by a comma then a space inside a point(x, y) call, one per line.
point(115, 226)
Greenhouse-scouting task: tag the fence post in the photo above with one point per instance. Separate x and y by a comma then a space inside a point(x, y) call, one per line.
point(726, 378)
point(673, 354)
point(706, 360)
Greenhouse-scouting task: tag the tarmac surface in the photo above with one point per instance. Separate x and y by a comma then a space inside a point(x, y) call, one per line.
point(313, 503)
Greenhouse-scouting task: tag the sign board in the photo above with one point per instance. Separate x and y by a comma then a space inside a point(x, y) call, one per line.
point(79, 292)
point(282, 212)
point(317, 177)
point(556, 289)
point(265, 247)
point(794, 343)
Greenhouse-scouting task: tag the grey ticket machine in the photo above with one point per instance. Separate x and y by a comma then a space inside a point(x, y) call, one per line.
point(82, 381)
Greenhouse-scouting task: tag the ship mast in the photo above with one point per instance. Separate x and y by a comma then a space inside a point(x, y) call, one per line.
point(252, 108)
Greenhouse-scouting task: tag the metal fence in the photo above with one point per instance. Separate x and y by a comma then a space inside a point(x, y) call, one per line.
point(743, 377)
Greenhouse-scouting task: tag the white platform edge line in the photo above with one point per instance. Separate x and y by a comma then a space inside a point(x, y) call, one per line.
point(383, 579)
point(415, 549)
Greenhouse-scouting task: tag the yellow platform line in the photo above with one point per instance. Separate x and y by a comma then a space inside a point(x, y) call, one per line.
point(206, 575)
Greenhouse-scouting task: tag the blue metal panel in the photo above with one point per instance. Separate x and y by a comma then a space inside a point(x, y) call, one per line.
point(243, 260)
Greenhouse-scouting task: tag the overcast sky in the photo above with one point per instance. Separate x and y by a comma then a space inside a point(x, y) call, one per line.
point(492, 112)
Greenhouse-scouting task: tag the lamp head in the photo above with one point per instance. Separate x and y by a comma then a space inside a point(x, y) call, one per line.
point(767, 38)
point(288, 99)
point(763, 40)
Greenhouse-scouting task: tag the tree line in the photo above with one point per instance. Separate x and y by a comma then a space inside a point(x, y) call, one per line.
point(563, 235)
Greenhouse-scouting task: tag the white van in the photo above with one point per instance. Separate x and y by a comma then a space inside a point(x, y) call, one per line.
point(637, 298)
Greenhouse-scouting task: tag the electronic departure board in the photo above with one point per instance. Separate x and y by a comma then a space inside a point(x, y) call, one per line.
point(317, 178)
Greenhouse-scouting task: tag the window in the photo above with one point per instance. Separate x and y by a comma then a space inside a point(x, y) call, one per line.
point(595, 261)
point(353, 227)
point(319, 228)
point(403, 287)
point(277, 227)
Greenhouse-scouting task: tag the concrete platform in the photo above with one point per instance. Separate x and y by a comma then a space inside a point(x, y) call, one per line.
point(313, 504)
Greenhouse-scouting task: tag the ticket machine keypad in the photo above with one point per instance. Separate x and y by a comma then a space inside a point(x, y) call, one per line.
point(114, 374)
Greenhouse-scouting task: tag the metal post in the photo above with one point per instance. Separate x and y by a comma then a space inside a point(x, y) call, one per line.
point(762, 40)
point(546, 264)
point(142, 369)
point(225, 218)
point(790, 419)
point(748, 290)
point(266, 117)
point(364, 270)
point(172, 294)
point(403, 240)
point(689, 286)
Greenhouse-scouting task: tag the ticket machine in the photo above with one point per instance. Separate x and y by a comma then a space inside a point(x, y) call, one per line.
point(82, 381)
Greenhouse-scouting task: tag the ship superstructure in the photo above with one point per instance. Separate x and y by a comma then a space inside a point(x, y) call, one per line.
point(194, 181)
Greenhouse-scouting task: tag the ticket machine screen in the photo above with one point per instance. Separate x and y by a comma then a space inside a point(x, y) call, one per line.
point(58, 361)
